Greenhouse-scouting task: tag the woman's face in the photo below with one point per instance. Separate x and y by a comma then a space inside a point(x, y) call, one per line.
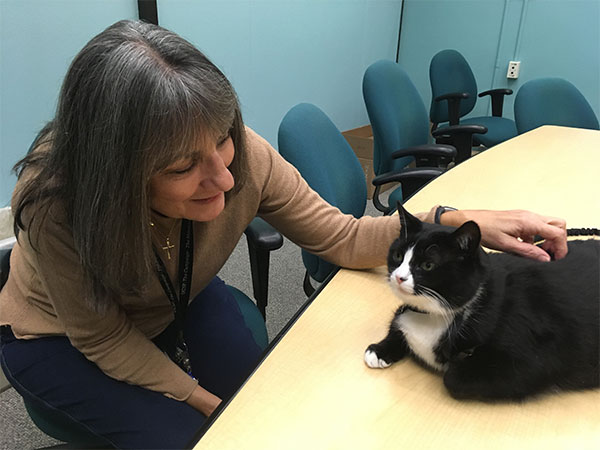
point(195, 188)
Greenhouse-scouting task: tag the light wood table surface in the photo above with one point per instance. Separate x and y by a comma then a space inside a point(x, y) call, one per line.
point(313, 390)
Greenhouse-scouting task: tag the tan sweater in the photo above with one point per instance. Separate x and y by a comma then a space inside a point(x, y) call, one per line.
point(43, 295)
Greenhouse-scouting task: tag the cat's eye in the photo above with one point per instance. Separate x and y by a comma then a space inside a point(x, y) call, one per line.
point(398, 255)
point(427, 266)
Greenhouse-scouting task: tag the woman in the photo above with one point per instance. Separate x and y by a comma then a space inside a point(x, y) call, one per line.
point(131, 201)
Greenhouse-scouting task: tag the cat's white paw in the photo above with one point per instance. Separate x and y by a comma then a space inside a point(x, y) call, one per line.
point(374, 362)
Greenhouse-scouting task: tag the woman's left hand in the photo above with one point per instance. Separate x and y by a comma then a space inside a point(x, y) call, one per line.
point(514, 231)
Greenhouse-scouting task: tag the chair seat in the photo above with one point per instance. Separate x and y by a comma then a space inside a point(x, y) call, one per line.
point(252, 316)
point(318, 268)
point(500, 129)
point(57, 425)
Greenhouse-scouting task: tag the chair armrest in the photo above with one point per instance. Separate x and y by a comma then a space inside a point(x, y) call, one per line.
point(412, 180)
point(499, 91)
point(453, 99)
point(460, 129)
point(452, 95)
point(263, 236)
point(421, 173)
point(461, 137)
point(262, 239)
point(497, 99)
point(447, 151)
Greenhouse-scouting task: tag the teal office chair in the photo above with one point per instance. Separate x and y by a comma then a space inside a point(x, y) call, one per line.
point(454, 94)
point(310, 141)
point(401, 127)
point(552, 101)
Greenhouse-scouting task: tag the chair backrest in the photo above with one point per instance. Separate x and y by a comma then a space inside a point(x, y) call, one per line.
point(310, 141)
point(6, 246)
point(397, 114)
point(449, 72)
point(552, 101)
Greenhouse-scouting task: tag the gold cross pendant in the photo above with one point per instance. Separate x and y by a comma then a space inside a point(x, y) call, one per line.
point(168, 248)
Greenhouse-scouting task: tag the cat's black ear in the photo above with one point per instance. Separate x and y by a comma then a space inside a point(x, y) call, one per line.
point(468, 236)
point(408, 223)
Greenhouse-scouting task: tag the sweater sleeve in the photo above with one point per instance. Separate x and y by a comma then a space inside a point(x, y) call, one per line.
point(109, 339)
point(290, 205)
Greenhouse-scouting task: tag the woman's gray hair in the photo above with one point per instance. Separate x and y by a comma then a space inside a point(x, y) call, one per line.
point(135, 99)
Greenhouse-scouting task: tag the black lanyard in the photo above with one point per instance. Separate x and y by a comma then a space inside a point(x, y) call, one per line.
point(179, 302)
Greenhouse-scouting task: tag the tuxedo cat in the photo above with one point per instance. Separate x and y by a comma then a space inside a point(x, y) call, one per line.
point(498, 326)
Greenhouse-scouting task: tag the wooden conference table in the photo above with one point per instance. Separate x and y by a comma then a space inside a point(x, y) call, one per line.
point(313, 390)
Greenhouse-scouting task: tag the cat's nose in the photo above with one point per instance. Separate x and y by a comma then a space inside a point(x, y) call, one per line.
point(400, 279)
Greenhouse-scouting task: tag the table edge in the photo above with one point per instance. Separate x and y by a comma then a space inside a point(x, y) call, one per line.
point(217, 413)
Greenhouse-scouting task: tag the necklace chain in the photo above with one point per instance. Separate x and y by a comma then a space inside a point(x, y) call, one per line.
point(168, 246)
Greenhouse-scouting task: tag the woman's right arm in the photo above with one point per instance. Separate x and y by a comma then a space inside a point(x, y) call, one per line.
point(302, 215)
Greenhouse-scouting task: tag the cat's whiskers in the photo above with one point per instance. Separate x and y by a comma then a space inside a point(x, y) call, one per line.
point(465, 311)
point(438, 306)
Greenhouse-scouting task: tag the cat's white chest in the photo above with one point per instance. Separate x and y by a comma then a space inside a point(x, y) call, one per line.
point(422, 333)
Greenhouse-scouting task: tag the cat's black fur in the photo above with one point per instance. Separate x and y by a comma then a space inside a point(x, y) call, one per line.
point(532, 327)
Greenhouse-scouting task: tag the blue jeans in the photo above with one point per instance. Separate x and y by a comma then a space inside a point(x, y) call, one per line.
point(51, 373)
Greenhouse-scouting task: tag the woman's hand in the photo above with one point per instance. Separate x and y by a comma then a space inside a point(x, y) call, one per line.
point(514, 231)
point(203, 401)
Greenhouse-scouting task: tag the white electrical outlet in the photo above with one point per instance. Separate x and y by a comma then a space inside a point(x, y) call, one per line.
point(513, 69)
